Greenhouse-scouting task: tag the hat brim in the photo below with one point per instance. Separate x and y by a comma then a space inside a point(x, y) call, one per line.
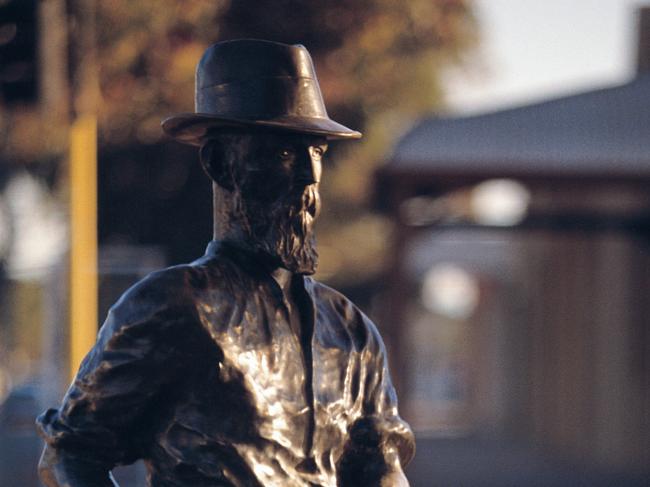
point(193, 128)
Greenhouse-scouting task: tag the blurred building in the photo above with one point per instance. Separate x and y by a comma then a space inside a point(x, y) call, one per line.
point(517, 305)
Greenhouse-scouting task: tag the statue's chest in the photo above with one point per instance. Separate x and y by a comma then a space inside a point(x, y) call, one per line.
point(265, 358)
point(270, 359)
point(291, 382)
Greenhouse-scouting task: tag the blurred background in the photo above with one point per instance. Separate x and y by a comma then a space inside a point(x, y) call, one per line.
point(494, 220)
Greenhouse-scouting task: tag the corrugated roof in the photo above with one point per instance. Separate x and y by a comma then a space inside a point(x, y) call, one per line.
point(605, 131)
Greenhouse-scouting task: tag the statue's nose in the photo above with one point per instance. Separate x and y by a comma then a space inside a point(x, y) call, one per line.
point(310, 168)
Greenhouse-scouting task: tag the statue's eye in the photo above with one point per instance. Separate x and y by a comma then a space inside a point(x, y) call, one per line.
point(285, 154)
point(318, 151)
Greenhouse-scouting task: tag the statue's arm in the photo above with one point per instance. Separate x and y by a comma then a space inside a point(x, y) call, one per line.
point(375, 454)
point(107, 416)
point(395, 478)
point(58, 469)
point(380, 444)
point(394, 475)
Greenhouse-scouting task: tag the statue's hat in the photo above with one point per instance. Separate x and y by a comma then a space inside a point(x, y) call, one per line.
point(250, 82)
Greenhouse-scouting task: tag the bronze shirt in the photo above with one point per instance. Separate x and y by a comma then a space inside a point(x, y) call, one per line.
point(197, 371)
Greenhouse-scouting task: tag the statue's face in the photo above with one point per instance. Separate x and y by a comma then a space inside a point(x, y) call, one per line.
point(278, 181)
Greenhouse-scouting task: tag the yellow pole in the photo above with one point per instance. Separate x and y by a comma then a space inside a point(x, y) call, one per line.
point(83, 239)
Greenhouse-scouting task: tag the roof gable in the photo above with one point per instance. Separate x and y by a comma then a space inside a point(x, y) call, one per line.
point(605, 131)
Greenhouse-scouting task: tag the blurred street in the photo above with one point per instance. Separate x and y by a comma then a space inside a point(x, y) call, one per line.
point(478, 463)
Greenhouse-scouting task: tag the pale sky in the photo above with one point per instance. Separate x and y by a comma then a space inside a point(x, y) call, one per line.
point(532, 50)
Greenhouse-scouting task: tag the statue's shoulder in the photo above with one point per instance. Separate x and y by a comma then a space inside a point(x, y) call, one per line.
point(179, 284)
point(164, 286)
point(159, 296)
point(337, 310)
point(178, 289)
point(325, 294)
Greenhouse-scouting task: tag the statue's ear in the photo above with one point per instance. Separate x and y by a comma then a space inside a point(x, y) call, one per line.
point(214, 163)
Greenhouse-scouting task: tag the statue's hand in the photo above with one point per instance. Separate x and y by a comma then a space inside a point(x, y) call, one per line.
point(395, 479)
point(58, 470)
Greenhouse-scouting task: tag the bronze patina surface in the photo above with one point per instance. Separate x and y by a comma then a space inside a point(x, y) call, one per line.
point(248, 83)
point(237, 369)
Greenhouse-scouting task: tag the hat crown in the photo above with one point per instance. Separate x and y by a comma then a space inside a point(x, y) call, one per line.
point(255, 79)
point(247, 59)
point(255, 83)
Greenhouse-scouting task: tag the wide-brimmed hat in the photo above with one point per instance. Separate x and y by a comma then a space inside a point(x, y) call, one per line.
point(255, 83)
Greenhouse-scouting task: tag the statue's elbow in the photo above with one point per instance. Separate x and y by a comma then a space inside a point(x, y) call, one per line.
point(57, 469)
point(46, 467)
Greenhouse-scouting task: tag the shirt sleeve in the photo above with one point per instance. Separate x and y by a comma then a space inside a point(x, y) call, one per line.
point(380, 442)
point(106, 414)
point(380, 403)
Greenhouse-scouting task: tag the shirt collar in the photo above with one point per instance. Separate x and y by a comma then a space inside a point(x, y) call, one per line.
point(247, 258)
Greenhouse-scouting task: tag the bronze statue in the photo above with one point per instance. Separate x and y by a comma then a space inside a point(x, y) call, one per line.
point(238, 369)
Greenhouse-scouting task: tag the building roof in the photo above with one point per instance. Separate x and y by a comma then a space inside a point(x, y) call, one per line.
point(599, 133)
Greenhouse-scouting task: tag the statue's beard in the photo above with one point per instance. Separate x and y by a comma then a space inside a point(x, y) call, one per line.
point(284, 230)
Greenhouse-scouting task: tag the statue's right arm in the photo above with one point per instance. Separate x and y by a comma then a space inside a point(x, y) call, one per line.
point(60, 470)
point(109, 413)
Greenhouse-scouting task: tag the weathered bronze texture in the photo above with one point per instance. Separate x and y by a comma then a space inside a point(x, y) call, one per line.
point(237, 369)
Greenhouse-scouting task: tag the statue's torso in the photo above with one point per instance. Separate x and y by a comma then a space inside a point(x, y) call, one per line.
point(250, 396)
point(223, 393)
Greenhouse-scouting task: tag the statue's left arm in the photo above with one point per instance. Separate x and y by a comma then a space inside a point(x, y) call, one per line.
point(380, 443)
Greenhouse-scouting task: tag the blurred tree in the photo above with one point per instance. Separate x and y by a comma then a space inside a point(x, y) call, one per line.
point(18, 51)
point(147, 52)
point(379, 63)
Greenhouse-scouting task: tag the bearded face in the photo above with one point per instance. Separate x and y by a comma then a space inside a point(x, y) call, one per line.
point(284, 229)
point(274, 195)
